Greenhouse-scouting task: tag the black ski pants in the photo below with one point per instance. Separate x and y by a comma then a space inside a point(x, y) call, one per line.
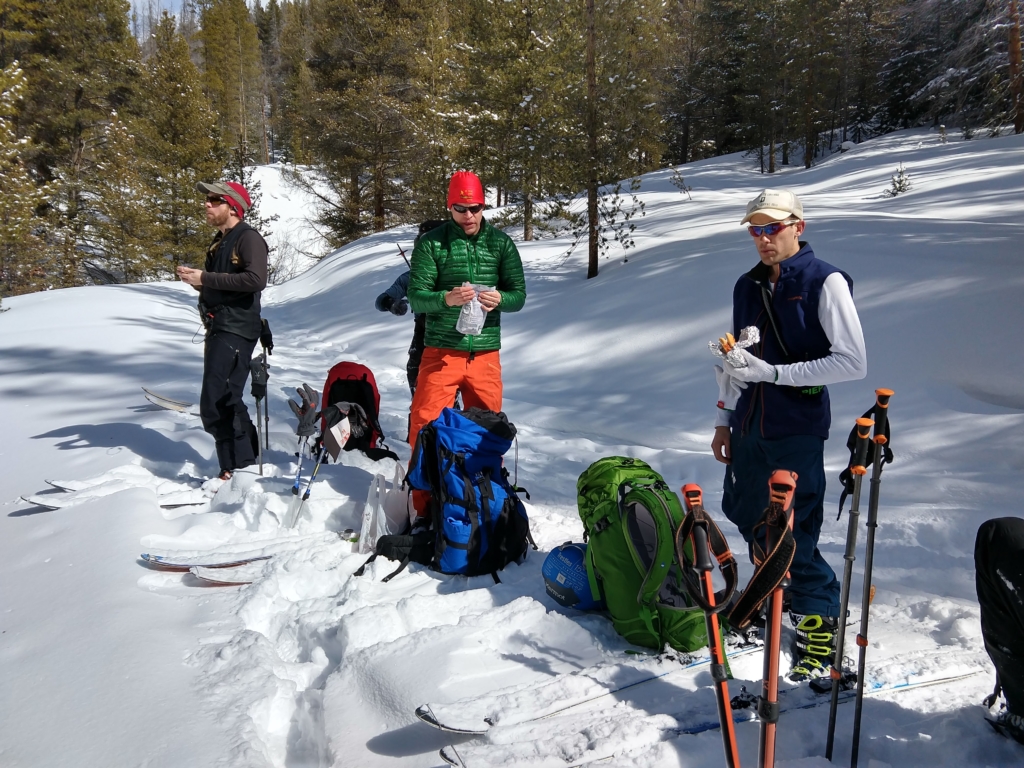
point(412, 368)
point(999, 576)
point(225, 370)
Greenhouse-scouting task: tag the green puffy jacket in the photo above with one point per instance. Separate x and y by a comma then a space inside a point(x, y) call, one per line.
point(445, 258)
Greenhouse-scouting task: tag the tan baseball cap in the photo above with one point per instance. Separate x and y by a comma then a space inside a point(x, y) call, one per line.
point(778, 203)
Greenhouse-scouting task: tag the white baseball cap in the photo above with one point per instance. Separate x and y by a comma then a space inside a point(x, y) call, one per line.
point(778, 203)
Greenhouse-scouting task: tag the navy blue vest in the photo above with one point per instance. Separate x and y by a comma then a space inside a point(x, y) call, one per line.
point(770, 410)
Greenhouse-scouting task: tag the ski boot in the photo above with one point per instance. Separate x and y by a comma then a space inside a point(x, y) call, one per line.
point(1007, 724)
point(815, 646)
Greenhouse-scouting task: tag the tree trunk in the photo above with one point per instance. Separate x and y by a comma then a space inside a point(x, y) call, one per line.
point(592, 230)
point(528, 215)
point(1017, 107)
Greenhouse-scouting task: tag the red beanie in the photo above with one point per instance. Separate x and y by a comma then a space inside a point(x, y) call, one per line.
point(240, 201)
point(465, 188)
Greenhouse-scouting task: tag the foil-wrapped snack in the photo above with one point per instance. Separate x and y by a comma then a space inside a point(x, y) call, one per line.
point(726, 346)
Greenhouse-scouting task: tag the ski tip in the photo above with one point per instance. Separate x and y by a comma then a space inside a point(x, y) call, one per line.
point(450, 756)
point(423, 713)
point(159, 563)
point(219, 577)
point(39, 503)
point(426, 715)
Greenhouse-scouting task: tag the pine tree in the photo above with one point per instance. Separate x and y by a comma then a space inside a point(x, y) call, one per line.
point(120, 239)
point(82, 64)
point(362, 120)
point(177, 138)
point(20, 267)
point(293, 121)
point(232, 72)
point(515, 89)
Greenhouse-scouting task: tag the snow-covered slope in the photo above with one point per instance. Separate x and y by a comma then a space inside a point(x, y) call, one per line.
point(109, 663)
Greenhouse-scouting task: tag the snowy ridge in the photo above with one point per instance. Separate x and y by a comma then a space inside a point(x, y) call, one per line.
point(311, 666)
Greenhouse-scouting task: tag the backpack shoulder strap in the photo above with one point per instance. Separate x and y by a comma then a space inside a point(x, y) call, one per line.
point(771, 568)
point(690, 558)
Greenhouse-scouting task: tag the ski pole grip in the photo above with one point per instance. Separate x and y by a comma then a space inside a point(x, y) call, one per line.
point(692, 496)
point(861, 449)
point(701, 551)
point(881, 414)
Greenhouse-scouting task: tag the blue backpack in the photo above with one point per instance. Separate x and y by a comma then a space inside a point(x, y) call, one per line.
point(479, 524)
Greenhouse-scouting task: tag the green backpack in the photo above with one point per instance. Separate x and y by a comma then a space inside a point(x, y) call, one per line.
point(630, 518)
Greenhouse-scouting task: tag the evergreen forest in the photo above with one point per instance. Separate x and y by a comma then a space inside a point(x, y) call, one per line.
point(109, 113)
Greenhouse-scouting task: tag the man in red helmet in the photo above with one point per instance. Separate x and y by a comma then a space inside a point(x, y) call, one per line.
point(229, 288)
point(463, 261)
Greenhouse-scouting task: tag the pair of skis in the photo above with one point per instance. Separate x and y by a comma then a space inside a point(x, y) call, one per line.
point(550, 723)
point(77, 492)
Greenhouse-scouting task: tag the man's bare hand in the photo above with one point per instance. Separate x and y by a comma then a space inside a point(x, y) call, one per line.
point(459, 295)
point(489, 300)
point(193, 277)
point(721, 445)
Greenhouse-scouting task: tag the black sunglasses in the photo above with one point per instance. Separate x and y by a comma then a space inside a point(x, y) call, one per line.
point(216, 200)
point(474, 209)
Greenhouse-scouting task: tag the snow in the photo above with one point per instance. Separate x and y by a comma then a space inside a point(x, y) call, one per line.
point(108, 662)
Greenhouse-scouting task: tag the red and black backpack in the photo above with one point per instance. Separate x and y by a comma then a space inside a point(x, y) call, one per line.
point(354, 383)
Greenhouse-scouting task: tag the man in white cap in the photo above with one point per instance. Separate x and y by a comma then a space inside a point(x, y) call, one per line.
point(229, 288)
point(810, 337)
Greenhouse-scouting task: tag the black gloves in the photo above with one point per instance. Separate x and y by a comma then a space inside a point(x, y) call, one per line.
point(266, 337)
point(306, 412)
point(388, 304)
point(258, 367)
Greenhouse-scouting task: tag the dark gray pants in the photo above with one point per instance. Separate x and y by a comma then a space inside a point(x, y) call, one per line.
point(225, 370)
point(999, 576)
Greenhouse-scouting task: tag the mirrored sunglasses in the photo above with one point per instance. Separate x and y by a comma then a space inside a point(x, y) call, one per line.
point(474, 209)
point(768, 229)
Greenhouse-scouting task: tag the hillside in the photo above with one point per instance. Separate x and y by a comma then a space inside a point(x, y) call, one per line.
point(109, 663)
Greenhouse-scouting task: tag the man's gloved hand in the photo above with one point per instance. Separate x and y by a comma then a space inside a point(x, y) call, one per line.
point(266, 337)
point(385, 302)
point(399, 307)
point(755, 369)
point(729, 389)
point(306, 411)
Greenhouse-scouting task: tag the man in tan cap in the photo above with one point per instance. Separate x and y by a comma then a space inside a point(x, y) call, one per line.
point(810, 336)
point(229, 288)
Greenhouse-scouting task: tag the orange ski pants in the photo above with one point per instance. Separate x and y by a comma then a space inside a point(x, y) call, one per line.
point(443, 372)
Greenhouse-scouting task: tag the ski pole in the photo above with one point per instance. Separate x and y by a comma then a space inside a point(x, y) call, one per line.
point(266, 403)
point(698, 525)
point(259, 435)
point(778, 517)
point(305, 495)
point(858, 470)
point(298, 470)
point(881, 417)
